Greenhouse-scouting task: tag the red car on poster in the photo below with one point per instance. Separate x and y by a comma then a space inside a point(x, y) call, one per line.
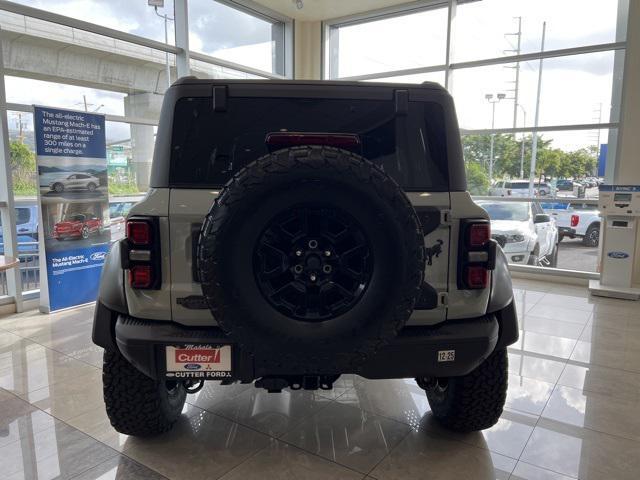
point(79, 225)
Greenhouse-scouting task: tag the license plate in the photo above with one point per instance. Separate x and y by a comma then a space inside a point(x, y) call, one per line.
point(198, 361)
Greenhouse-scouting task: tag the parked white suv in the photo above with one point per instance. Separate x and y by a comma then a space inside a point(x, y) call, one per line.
point(74, 181)
point(526, 234)
point(519, 188)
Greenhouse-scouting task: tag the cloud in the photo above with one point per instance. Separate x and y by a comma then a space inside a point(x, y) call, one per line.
point(134, 17)
point(219, 27)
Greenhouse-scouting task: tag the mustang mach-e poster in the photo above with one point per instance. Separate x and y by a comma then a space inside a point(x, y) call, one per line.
point(74, 205)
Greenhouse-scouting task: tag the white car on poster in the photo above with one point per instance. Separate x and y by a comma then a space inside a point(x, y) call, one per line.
point(74, 181)
point(527, 235)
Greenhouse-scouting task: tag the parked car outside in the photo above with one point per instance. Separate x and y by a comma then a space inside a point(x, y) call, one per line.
point(74, 181)
point(527, 235)
point(564, 185)
point(79, 225)
point(519, 188)
point(26, 245)
point(581, 221)
point(26, 219)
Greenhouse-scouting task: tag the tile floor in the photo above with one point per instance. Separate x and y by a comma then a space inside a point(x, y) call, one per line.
point(572, 410)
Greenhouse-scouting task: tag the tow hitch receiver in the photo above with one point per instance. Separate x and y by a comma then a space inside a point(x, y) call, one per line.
point(296, 382)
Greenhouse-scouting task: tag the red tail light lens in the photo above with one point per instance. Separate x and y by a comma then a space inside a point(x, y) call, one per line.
point(477, 277)
point(139, 233)
point(478, 234)
point(575, 219)
point(141, 276)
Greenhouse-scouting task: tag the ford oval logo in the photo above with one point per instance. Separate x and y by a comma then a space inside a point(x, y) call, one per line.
point(192, 366)
point(98, 256)
point(618, 255)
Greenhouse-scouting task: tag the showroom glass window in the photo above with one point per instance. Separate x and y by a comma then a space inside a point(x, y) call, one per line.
point(230, 34)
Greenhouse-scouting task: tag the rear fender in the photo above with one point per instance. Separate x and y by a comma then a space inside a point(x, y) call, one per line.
point(501, 288)
point(111, 300)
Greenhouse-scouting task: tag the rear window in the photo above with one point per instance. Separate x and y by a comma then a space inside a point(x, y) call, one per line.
point(209, 147)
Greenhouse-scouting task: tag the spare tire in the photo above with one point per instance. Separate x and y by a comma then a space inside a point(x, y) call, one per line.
point(311, 258)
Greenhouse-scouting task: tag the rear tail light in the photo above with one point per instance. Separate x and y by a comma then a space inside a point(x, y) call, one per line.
point(139, 232)
point(478, 234)
point(477, 254)
point(477, 277)
point(575, 219)
point(141, 276)
point(141, 253)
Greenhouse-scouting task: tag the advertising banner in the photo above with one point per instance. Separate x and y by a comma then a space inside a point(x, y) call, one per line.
point(74, 232)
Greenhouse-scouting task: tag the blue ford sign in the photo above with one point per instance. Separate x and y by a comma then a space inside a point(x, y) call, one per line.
point(618, 255)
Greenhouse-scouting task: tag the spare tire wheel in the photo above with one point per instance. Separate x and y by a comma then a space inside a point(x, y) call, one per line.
point(311, 258)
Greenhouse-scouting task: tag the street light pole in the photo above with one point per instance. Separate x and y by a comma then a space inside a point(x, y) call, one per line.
point(492, 101)
point(166, 18)
point(534, 140)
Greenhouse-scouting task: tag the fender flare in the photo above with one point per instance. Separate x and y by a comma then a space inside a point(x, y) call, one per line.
point(501, 288)
point(111, 300)
point(502, 303)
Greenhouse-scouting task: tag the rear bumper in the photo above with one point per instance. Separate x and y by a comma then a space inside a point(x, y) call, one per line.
point(567, 232)
point(413, 353)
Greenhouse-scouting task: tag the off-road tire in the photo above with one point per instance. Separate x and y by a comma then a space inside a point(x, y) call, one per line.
point(136, 404)
point(324, 174)
point(590, 238)
point(474, 401)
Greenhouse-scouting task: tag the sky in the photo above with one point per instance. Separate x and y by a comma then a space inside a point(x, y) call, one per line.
point(575, 89)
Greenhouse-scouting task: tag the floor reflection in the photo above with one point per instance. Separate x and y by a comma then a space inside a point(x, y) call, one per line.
point(571, 410)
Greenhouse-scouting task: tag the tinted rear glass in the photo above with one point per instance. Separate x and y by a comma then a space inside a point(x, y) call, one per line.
point(209, 147)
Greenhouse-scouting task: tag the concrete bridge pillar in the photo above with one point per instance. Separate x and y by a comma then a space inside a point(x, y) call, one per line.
point(147, 106)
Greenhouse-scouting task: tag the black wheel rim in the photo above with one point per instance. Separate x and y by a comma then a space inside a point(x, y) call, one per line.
point(313, 262)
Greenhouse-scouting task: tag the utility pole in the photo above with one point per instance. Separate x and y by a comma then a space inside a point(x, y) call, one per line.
point(524, 123)
point(516, 89)
point(87, 104)
point(20, 128)
point(534, 141)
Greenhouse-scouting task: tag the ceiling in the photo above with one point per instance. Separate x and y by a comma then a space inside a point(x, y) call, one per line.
point(313, 10)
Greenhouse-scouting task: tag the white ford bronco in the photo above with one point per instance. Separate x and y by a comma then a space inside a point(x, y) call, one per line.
point(295, 231)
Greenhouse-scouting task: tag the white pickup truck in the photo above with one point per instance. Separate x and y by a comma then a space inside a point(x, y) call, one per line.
point(580, 220)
